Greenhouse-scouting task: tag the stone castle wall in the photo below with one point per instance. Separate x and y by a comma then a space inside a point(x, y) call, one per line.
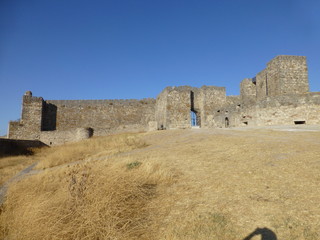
point(248, 92)
point(57, 137)
point(277, 95)
point(103, 116)
point(174, 105)
point(280, 110)
point(287, 75)
point(29, 126)
point(212, 98)
point(59, 121)
point(173, 108)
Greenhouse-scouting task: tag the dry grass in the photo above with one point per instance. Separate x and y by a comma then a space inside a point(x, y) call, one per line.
point(100, 199)
point(191, 184)
point(89, 201)
point(89, 148)
point(10, 166)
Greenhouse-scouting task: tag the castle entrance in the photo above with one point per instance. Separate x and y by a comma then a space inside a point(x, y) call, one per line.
point(193, 119)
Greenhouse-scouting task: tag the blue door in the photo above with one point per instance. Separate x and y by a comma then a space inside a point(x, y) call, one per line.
point(193, 118)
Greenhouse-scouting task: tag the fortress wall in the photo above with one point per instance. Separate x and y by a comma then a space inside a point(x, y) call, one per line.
point(161, 109)
point(210, 98)
point(287, 75)
point(174, 105)
point(228, 113)
point(285, 109)
point(52, 138)
point(288, 115)
point(214, 97)
point(178, 107)
point(102, 115)
point(261, 84)
point(277, 95)
point(233, 100)
point(293, 100)
point(16, 130)
point(248, 91)
point(273, 78)
point(29, 126)
point(247, 117)
point(277, 110)
point(283, 75)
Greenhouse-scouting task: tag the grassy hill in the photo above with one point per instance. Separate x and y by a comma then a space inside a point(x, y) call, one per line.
point(172, 185)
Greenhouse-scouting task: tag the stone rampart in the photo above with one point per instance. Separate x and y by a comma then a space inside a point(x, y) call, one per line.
point(279, 94)
point(174, 105)
point(248, 91)
point(29, 126)
point(101, 115)
point(287, 75)
point(287, 109)
point(52, 138)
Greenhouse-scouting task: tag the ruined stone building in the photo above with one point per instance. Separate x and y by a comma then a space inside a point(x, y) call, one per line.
point(278, 95)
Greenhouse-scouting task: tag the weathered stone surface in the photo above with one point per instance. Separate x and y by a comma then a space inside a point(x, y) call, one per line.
point(29, 126)
point(57, 137)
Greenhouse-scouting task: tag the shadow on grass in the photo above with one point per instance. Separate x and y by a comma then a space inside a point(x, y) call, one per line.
point(265, 233)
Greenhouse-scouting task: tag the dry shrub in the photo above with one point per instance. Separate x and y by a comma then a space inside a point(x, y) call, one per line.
point(88, 201)
point(93, 147)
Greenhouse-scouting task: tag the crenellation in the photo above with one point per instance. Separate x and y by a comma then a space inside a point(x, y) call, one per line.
point(279, 94)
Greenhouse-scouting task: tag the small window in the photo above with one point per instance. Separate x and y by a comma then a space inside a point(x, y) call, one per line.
point(299, 122)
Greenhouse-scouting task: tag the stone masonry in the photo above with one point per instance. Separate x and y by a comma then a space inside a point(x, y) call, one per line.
point(278, 95)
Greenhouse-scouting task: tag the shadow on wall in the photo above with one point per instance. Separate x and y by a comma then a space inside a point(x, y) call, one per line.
point(265, 233)
point(49, 121)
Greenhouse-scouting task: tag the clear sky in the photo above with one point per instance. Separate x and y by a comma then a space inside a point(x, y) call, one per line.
point(114, 49)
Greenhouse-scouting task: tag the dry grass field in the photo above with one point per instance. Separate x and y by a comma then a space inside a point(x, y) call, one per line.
point(10, 166)
point(172, 185)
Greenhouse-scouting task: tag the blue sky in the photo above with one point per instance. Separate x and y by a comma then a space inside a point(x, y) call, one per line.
point(77, 49)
